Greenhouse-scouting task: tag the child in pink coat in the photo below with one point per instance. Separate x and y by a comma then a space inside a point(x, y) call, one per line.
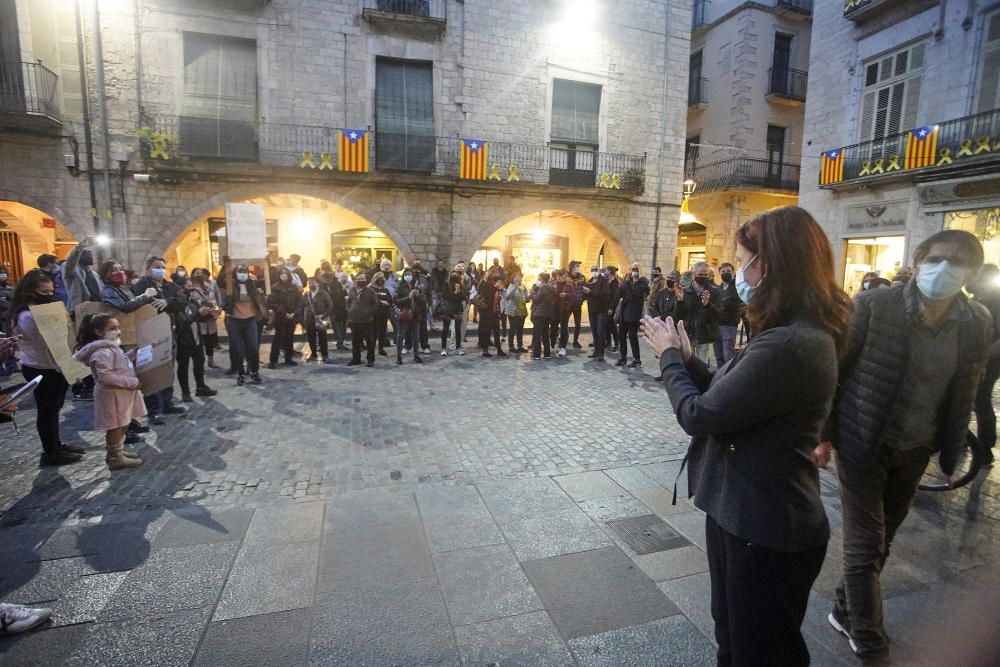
point(117, 399)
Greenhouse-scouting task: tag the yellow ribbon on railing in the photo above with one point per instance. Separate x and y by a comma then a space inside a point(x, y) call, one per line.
point(966, 148)
point(495, 172)
point(877, 169)
point(325, 162)
point(945, 157)
point(893, 164)
point(849, 5)
point(984, 146)
point(159, 150)
point(616, 181)
point(512, 174)
point(604, 181)
point(307, 160)
point(866, 168)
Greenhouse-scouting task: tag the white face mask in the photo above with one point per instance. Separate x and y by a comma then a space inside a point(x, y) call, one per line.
point(743, 288)
point(594, 274)
point(635, 274)
point(115, 336)
point(941, 280)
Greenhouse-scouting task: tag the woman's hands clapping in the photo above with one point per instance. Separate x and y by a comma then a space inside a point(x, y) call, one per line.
point(661, 335)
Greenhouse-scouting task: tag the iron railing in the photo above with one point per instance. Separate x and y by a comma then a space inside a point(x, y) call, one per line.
point(801, 6)
point(697, 91)
point(28, 88)
point(165, 138)
point(788, 83)
point(428, 9)
point(962, 141)
point(700, 15)
point(744, 172)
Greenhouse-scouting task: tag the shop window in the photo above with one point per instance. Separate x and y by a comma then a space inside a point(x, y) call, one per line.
point(984, 223)
point(882, 255)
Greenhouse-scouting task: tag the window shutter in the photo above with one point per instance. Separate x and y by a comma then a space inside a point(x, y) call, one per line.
point(404, 115)
point(868, 116)
point(575, 111)
point(988, 95)
point(911, 104)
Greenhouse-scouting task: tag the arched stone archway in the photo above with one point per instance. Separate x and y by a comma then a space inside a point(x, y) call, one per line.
point(258, 190)
point(73, 225)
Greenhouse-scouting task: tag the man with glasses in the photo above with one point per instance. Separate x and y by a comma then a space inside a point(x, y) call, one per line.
point(700, 306)
point(915, 355)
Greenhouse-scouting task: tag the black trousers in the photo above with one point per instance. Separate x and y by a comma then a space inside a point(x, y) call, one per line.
point(489, 328)
point(540, 336)
point(577, 319)
point(50, 395)
point(284, 334)
point(515, 331)
point(759, 599)
point(986, 419)
point(316, 335)
point(560, 330)
point(613, 330)
point(629, 332)
point(382, 328)
point(209, 341)
point(447, 322)
point(362, 333)
point(195, 355)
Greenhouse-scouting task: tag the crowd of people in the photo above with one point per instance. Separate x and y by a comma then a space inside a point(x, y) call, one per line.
point(881, 382)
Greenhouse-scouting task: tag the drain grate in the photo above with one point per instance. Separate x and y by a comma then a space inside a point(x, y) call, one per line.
point(647, 534)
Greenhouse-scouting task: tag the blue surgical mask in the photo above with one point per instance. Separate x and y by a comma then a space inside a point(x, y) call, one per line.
point(407, 277)
point(158, 274)
point(242, 277)
point(941, 280)
point(744, 289)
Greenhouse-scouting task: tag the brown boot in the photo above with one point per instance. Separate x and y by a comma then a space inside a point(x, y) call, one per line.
point(118, 460)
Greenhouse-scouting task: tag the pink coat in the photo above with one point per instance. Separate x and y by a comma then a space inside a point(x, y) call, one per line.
point(116, 396)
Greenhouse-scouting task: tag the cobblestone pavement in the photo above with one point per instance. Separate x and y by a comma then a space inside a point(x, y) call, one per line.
point(466, 511)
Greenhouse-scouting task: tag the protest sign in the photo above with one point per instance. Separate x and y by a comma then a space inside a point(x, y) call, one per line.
point(155, 351)
point(246, 232)
point(53, 324)
point(127, 322)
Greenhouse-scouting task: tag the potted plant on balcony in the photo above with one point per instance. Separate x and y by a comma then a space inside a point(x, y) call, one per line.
point(635, 181)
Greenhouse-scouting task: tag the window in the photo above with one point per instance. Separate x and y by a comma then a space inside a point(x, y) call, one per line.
point(780, 62)
point(576, 109)
point(988, 93)
point(404, 115)
point(892, 93)
point(696, 92)
point(219, 110)
point(775, 152)
point(691, 149)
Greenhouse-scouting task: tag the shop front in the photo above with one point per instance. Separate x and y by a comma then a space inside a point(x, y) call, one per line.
point(874, 241)
point(984, 223)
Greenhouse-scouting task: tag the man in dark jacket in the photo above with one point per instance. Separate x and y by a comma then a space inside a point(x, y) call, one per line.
point(700, 306)
point(615, 284)
point(361, 316)
point(597, 291)
point(329, 283)
point(579, 280)
point(729, 317)
point(914, 357)
point(543, 310)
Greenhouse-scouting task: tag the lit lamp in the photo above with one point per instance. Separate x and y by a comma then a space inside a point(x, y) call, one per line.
point(688, 188)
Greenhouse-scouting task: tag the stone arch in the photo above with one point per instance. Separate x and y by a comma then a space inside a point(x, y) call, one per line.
point(74, 226)
point(255, 190)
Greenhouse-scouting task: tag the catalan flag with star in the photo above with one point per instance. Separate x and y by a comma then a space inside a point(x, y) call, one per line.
point(352, 150)
point(832, 167)
point(472, 160)
point(921, 147)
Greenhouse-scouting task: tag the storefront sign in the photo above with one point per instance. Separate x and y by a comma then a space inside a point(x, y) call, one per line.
point(876, 218)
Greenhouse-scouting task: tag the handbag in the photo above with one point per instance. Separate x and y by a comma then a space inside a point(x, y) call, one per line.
point(402, 314)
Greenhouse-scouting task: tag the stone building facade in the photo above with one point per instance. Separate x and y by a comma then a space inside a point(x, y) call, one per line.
point(902, 128)
point(241, 100)
point(748, 79)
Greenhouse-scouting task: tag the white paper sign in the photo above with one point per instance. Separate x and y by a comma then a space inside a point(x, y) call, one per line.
point(144, 355)
point(246, 231)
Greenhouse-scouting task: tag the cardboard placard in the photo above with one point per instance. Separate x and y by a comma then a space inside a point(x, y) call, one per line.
point(156, 349)
point(246, 231)
point(128, 322)
point(57, 331)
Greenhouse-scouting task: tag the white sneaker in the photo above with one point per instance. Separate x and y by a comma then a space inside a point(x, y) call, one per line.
point(460, 352)
point(839, 627)
point(405, 351)
point(444, 353)
point(426, 350)
point(562, 351)
point(18, 618)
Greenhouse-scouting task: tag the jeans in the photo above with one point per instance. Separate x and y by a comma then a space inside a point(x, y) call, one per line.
point(284, 334)
point(157, 403)
point(446, 322)
point(629, 332)
point(381, 324)
point(515, 331)
point(50, 395)
point(540, 336)
point(489, 328)
point(759, 599)
point(340, 333)
point(560, 330)
point(725, 345)
point(244, 341)
point(577, 318)
point(986, 419)
point(876, 501)
point(185, 355)
point(362, 335)
point(316, 335)
point(599, 328)
point(408, 331)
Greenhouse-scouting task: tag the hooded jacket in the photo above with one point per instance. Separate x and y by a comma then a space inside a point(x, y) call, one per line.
point(117, 399)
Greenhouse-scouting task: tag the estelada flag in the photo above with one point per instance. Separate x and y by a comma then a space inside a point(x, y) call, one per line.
point(472, 160)
point(832, 167)
point(921, 147)
point(352, 150)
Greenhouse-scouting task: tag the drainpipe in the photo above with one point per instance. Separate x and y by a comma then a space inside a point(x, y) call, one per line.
point(102, 105)
point(88, 138)
point(663, 133)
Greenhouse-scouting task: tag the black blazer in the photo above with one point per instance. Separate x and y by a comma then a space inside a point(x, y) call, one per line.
point(755, 424)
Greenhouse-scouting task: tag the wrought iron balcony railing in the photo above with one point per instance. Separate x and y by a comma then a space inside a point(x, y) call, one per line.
point(699, 17)
point(804, 7)
point(425, 9)
point(859, 10)
point(743, 172)
point(28, 88)
point(181, 140)
point(697, 92)
point(788, 83)
point(960, 143)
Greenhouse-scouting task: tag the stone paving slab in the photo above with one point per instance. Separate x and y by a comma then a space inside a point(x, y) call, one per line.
point(670, 641)
point(281, 638)
point(526, 640)
point(267, 578)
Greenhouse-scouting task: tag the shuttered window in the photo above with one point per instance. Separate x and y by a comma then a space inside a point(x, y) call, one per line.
point(219, 110)
point(892, 93)
point(404, 115)
point(988, 93)
point(576, 109)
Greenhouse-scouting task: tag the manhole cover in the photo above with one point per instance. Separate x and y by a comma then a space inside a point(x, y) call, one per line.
point(647, 534)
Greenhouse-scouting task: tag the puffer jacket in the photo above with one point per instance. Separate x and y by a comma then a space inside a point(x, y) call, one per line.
point(543, 301)
point(578, 280)
point(874, 365)
point(515, 301)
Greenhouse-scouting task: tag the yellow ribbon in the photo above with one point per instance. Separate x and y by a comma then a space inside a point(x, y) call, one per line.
point(307, 160)
point(877, 169)
point(512, 174)
point(159, 149)
point(945, 157)
point(984, 146)
point(616, 181)
point(93, 213)
point(325, 162)
point(866, 168)
point(966, 148)
point(893, 164)
point(848, 5)
point(495, 172)
point(605, 181)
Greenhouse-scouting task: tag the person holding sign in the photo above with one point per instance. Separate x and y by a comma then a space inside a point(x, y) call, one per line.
point(37, 288)
point(244, 308)
point(117, 399)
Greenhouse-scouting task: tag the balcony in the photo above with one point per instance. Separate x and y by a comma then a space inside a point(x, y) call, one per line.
point(787, 86)
point(862, 10)
point(193, 144)
point(794, 9)
point(967, 145)
point(698, 93)
point(699, 17)
point(427, 17)
point(744, 173)
point(28, 98)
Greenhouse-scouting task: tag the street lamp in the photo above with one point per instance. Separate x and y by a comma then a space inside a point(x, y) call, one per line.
point(687, 189)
